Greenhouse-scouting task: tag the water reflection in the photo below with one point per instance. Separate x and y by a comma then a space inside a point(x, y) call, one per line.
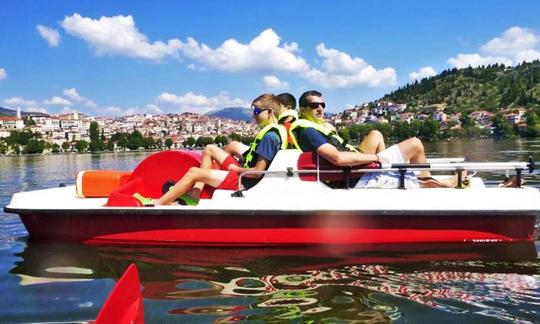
point(327, 284)
point(55, 282)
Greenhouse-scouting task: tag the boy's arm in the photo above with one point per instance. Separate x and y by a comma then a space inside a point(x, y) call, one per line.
point(259, 166)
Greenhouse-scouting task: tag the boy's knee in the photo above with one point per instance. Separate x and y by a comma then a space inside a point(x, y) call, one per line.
point(193, 171)
point(210, 148)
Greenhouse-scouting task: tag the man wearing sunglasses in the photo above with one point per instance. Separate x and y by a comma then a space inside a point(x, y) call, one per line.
point(257, 157)
point(311, 135)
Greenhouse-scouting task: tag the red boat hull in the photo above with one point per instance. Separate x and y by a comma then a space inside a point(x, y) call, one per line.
point(276, 228)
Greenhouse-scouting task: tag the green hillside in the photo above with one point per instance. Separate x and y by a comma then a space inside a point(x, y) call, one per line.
point(487, 87)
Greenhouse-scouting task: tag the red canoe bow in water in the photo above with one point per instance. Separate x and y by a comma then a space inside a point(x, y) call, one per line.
point(125, 302)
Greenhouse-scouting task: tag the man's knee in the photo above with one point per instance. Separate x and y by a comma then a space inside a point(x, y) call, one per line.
point(375, 133)
point(417, 143)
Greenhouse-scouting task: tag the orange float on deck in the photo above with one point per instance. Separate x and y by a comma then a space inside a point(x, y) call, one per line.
point(100, 183)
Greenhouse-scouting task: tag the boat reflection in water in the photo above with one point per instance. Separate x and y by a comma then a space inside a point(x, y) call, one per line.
point(380, 283)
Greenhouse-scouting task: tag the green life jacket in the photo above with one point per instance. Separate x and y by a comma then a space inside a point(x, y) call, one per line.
point(331, 135)
point(250, 156)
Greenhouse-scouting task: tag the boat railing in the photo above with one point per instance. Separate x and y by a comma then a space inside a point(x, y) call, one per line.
point(458, 167)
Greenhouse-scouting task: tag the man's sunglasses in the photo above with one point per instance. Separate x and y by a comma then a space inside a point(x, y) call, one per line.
point(315, 105)
point(257, 110)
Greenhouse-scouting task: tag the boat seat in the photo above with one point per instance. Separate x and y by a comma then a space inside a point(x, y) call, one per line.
point(312, 161)
point(152, 173)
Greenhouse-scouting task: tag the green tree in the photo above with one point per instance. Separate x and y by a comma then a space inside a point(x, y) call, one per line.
point(148, 142)
point(189, 142)
point(55, 148)
point(66, 146)
point(168, 143)
point(235, 137)
point(135, 140)
point(501, 128)
point(202, 141)
point(429, 130)
point(221, 140)
point(94, 131)
point(34, 146)
point(110, 145)
point(81, 146)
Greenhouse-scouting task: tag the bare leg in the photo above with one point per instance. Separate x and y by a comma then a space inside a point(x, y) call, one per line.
point(208, 176)
point(372, 143)
point(412, 150)
point(211, 152)
point(236, 149)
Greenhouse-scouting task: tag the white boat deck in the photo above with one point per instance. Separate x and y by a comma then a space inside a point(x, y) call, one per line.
point(276, 192)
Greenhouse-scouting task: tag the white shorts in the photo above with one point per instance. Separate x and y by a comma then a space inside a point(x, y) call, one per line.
point(388, 180)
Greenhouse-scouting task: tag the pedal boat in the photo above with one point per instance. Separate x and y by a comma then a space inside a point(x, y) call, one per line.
point(293, 204)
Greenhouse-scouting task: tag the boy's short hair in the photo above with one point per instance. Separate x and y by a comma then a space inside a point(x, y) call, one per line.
point(267, 101)
point(287, 100)
point(303, 98)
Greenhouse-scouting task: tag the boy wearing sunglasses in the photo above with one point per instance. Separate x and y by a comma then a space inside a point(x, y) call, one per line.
point(312, 136)
point(257, 157)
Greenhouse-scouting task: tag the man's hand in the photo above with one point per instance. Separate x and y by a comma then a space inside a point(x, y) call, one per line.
point(235, 168)
point(382, 159)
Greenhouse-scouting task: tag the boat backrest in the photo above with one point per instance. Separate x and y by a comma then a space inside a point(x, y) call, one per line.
point(312, 161)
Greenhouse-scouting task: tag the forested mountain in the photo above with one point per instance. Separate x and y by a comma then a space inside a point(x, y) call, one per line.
point(487, 87)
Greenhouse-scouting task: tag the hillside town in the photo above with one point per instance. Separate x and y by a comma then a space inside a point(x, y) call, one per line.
point(63, 130)
point(387, 111)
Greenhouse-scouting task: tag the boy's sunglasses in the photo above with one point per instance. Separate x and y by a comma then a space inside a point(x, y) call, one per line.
point(257, 110)
point(315, 105)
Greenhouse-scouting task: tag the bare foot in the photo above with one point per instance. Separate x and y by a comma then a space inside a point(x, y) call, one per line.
point(449, 182)
point(511, 182)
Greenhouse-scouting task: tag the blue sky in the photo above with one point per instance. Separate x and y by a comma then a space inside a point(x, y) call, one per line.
point(123, 57)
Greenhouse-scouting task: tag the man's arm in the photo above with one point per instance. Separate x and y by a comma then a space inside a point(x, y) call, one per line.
point(338, 158)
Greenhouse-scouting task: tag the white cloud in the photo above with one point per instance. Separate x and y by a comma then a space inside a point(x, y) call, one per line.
point(465, 60)
point(26, 104)
point(271, 81)
point(19, 101)
point(3, 74)
point(340, 70)
point(57, 101)
point(113, 111)
point(118, 35)
point(68, 110)
point(200, 103)
point(515, 45)
point(72, 94)
point(153, 109)
point(527, 56)
point(118, 111)
point(511, 42)
point(263, 53)
point(425, 72)
point(76, 97)
point(49, 34)
point(36, 109)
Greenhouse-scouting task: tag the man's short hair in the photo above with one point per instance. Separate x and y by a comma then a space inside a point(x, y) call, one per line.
point(267, 101)
point(303, 98)
point(287, 100)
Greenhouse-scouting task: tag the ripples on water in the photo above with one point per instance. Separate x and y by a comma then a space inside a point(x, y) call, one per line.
point(57, 282)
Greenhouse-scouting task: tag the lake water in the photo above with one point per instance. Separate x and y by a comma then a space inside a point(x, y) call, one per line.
point(436, 283)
